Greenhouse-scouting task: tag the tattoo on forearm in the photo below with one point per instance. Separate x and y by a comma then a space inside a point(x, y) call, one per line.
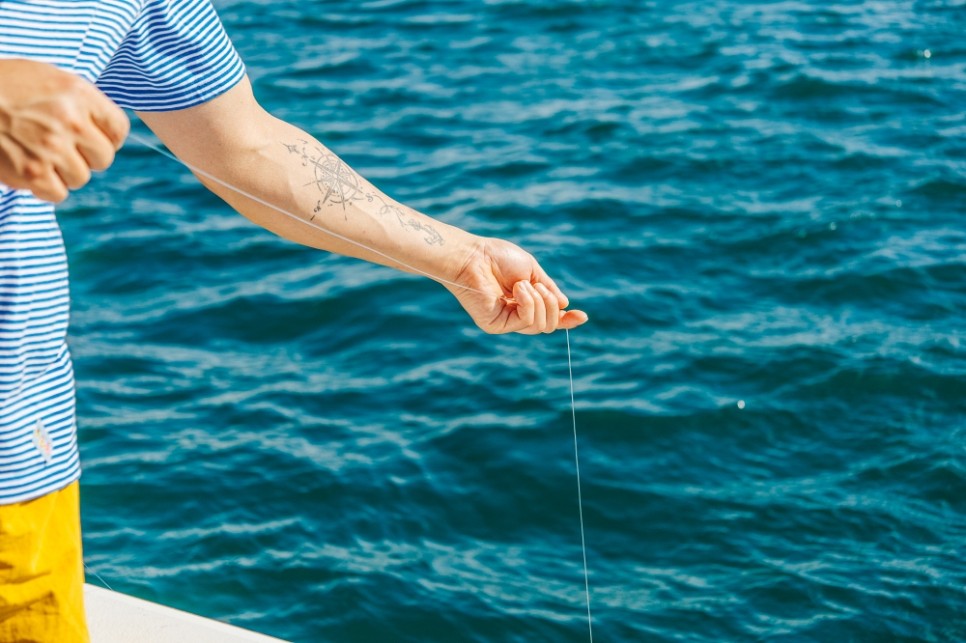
point(430, 235)
point(340, 185)
point(337, 182)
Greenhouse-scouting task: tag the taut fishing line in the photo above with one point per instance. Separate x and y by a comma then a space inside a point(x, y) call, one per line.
point(88, 568)
point(580, 499)
point(570, 369)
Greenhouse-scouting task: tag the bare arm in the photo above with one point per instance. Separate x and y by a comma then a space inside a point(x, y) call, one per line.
point(234, 139)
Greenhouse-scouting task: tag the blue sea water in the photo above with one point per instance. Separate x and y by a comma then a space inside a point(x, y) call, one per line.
point(761, 206)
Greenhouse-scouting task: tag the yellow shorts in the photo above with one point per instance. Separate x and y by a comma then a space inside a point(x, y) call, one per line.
point(42, 570)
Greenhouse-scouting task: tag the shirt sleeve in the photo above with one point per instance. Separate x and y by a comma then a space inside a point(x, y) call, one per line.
point(177, 55)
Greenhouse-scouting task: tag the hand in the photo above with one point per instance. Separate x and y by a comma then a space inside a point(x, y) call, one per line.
point(505, 290)
point(55, 128)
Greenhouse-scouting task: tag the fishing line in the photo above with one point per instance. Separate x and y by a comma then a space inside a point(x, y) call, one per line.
point(570, 368)
point(580, 499)
point(88, 568)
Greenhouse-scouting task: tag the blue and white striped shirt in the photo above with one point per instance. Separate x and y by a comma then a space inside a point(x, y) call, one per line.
point(147, 55)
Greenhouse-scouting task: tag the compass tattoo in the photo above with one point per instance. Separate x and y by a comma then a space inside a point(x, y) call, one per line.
point(339, 185)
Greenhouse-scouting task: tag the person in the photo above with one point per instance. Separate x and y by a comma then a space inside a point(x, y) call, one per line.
point(66, 71)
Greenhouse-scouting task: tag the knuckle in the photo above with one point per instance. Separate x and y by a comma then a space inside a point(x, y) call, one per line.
point(71, 82)
point(61, 108)
point(102, 161)
point(117, 133)
point(51, 192)
point(123, 123)
point(78, 178)
point(66, 116)
point(115, 122)
point(33, 170)
point(49, 141)
point(74, 125)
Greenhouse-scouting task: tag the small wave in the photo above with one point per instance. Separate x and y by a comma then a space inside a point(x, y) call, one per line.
point(943, 190)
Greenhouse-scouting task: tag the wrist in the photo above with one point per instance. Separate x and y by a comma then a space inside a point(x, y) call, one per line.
point(461, 250)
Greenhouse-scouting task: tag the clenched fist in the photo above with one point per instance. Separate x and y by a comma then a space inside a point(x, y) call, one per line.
point(505, 290)
point(55, 127)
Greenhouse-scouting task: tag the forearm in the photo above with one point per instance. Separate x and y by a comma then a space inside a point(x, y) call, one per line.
point(296, 174)
point(305, 193)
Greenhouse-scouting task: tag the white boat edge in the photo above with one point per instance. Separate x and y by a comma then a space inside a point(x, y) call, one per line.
point(113, 617)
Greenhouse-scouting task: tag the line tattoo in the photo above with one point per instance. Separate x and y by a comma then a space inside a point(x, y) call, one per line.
point(430, 235)
point(336, 181)
point(340, 185)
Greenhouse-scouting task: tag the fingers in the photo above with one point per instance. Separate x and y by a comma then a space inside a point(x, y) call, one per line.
point(49, 187)
point(544, 278)
point(526, 310)
point(43, 181)
point(96, 148)
point(538, 310)
point(22, 170)
point(108, 117)
point(571, 319)
point(72, 168)
point(551, 310)
point(54, 165)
